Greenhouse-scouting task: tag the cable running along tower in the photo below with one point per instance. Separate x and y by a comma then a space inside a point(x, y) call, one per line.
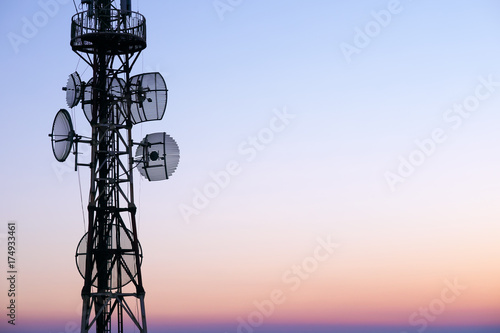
point(109, 37)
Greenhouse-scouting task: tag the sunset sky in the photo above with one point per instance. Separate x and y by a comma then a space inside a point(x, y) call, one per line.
point(339, 172)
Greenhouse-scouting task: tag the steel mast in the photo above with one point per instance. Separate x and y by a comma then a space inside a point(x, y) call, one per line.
point(109, 38)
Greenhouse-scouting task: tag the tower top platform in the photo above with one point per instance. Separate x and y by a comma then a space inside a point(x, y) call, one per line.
point(111, 32)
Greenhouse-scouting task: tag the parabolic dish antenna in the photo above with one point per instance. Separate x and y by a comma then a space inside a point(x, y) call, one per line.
point(62, 135)
point(73, 90)
point(159, 156)
point(115, 96)
point(88, 100)
point(148, 96)
point(123, 261)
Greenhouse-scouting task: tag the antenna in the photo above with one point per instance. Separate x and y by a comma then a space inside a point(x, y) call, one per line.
point(62, 135)
point(73, 90)
point(123, 243)
point(109, 37)
point(158, 156)
point(149, 97)
point(114, 89)
point(126, 7)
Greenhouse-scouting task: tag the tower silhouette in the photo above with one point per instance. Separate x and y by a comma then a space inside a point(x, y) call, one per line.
point(109, 38)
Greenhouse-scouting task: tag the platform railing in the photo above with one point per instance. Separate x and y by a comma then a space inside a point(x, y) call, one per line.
point(132, 24)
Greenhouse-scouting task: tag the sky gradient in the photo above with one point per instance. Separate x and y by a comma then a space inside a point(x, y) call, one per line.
point(339, 166)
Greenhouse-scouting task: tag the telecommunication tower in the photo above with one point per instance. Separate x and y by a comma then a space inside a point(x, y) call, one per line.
point(109, 37)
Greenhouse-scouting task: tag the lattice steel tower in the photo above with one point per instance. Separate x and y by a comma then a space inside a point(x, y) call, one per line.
point(109, 37)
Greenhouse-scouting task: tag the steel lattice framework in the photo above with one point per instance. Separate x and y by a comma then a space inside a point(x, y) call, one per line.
point(109, 256)
point(110, 42)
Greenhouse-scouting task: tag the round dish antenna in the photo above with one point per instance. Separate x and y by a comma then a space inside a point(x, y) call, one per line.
point(148, 97)
point(73, 90)
point(62, 135)
point(121, 264)
point(115, 96)
point(159, 156)
point(88, 100)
